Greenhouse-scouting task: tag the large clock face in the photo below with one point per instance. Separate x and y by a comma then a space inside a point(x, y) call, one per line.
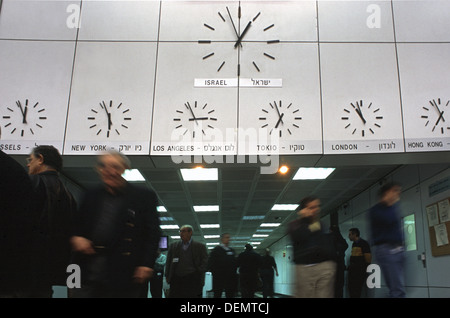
point(239, 29)
point(434, 116)
point(109, 118)
point(194, 119)
point(24, 119)
point(362, 118)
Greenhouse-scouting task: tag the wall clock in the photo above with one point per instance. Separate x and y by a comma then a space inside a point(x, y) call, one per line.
point(109, 119)
point(194, 119)
point(433, 116)
point(284, 119)
point(239, 28)
point(24, 119)
point(362, 118)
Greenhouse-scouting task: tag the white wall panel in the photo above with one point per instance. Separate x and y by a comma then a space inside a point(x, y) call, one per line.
point(34, 92)
point(38, 20)
point(120, 75)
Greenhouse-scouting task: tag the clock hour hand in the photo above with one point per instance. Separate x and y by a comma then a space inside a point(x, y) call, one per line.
point(23, 111)
point(108, 115)
point(441, 116)
point(238, 42)
point(279, 120)
point(358, 111)
point(278, 111)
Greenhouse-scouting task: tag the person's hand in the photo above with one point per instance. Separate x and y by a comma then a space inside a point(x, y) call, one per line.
point(82, 245)
point(142, 274)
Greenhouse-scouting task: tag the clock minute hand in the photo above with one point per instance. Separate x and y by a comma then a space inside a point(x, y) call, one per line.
point(108, 115)
point(242, 34)
point(232, 22)
point(358, 111)
point(24, 112)
point(441, 116)
point(193, 116)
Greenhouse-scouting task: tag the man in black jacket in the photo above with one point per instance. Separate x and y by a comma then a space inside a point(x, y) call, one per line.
point(55, 208)
point(249, 263)
point(116, 234)
point(223, 265)
point(314, 252)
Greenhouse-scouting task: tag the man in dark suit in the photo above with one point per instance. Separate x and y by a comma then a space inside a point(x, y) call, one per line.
point(116, 234)
point(223, 265)
point(186, 266)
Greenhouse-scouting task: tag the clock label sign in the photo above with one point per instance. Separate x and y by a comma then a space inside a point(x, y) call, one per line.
point(238, 82)
point(85, 148)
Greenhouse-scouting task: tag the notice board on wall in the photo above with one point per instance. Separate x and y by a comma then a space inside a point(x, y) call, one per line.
point(438, 215)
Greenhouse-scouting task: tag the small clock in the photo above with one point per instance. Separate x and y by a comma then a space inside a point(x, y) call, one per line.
point(361, 118)
point(109, 119)
point(279, 117)
point(434, 118)
point(238, 32)
point(25, 118)
point(194, 119)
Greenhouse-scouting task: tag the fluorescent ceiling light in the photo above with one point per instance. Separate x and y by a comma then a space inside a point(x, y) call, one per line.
point(284, 207)
point(175, 237)
point(206, 208)
point(313, 173)
point(213, 243)
point(253, 217)
point(211, 236)
point(260, 235)
point(161, 208)
point(255, 243)
point(270, 224)
point(166, 218)
point(200, 174)
point(169, 227)
point(133, 175)
point(209, 226)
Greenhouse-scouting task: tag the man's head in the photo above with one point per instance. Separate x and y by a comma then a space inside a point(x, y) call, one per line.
point(389, 193)
point(44, 158)
point(353, 234)
point(309, 207)
point(225, 238)
point(186, 232)
point(110, 167)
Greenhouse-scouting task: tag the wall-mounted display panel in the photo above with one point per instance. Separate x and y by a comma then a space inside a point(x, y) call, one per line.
point(355, 21)
point(39, 20)
point(361, 99)
point(287, 119)
point(421, 20)
point(34, 93)
point(120, 20)
point(111, 98)
point(192, 120)
point(425, 95)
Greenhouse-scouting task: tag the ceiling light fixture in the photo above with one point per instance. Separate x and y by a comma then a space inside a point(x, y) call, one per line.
point(200, 174)
point(209, 226)
point(206, 208)
point(161, 208)
point(283, 169)
point(133, 175)
point(284, 207)
point(270, 224)
point(313, 173)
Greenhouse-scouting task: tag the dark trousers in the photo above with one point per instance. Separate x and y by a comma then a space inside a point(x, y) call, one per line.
point(224, 282)
point(189, 286)
point(356, 282)
point(249, 284)
point(156, 285)
point(267, 281)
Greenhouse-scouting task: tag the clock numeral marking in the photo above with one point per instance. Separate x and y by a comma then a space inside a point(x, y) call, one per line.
point(273, 41)
point(221, 16)
point(269, 56)
point(204, 42)
point(209, 27)
point(209, 55)
point(256, 66)
point(220, 67)
point(269, 27)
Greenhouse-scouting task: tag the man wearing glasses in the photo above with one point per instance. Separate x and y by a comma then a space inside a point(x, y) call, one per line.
point(186, 266)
